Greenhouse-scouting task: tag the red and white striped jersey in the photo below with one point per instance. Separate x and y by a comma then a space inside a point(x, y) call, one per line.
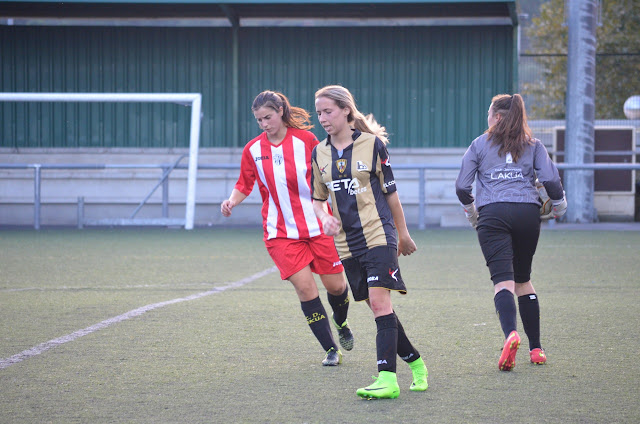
point(283, 172)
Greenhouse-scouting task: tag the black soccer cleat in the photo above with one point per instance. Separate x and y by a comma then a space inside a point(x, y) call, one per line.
point(333, 358)
point(345, 335)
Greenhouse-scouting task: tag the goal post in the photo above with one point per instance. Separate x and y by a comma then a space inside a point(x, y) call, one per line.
point(188, 99)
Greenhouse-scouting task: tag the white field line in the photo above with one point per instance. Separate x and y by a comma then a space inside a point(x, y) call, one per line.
point(96, 288)
point(43, 347)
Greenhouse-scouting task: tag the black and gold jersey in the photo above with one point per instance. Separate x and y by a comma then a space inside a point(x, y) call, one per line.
point(357, 180)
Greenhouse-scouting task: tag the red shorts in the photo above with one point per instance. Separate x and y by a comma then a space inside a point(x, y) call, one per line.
point(290, 255)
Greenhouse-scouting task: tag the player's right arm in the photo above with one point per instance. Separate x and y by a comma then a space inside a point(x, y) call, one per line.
point(319, 196)
point(466, 176)
point(243, 186)
point(330, 224)
point(234, 200)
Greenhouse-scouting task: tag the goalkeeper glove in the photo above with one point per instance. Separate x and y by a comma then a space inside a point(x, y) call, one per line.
point(559, 207)
point(471, 213)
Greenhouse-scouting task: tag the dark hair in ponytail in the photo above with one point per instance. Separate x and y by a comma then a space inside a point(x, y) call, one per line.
point(293, 117)
point(511, 132)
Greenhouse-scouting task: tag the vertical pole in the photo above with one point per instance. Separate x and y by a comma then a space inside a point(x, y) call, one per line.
point(194, 145)
point(36, 196)
point(579, 140)
point(165, 193)
point(235, 111)
point(234, 20)
point(80, 213)
point(515, 60)
point(421, 199)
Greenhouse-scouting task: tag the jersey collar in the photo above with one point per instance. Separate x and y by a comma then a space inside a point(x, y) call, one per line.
point(354, 136)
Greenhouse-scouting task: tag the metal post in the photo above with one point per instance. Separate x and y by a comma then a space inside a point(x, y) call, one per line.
point(80, 212)
point(192, 173)
point(36, 196)
point(421, 198)
point(165, 193)
point(579, 140)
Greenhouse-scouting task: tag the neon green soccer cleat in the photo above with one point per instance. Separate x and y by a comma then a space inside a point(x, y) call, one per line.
point(333, 358)
point(385, 387)
point(345, 336)
point(420, 374)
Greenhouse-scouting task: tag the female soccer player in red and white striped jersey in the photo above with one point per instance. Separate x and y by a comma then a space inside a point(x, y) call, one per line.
point(279, 159)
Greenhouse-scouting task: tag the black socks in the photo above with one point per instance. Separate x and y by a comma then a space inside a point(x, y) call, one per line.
point(406, 351)
point(530, 315)
point(340, 306)
point(506, 310)
point(318, 322)
point(387, 342)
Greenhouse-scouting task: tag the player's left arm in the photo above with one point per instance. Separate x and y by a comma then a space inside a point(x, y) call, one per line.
point(547, 172)
point(406, 245)
point(548, 175)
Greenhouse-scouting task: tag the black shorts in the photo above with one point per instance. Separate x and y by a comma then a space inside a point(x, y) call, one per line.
point(508, 235)
point(378, 267)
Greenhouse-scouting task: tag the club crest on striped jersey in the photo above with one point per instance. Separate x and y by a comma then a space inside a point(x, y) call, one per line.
point(341, 164)
point(278, 159)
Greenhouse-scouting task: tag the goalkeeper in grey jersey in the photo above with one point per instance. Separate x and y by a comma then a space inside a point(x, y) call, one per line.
point(505, 162)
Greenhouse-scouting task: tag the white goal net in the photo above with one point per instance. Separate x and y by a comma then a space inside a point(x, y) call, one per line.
point(188, 99)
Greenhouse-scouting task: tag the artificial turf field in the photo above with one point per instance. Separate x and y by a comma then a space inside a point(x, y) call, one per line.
point(173, 326)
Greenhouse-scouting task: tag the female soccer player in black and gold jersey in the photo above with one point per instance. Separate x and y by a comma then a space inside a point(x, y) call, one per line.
point(352, 167)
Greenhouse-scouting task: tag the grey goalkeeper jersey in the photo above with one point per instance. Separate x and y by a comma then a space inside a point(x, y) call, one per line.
point(500, 179)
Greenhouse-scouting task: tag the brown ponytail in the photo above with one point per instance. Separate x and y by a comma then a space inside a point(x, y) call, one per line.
point(511, 132)
point(292, 116)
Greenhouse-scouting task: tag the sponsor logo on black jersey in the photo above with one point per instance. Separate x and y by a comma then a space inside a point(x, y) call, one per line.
point(351, 185)
point(362, 166)
point(323, 170)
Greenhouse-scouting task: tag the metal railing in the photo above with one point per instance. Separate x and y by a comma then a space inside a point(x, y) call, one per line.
point(167, 168)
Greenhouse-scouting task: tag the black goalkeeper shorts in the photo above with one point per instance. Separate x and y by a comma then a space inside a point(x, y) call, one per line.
point(508, 235)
